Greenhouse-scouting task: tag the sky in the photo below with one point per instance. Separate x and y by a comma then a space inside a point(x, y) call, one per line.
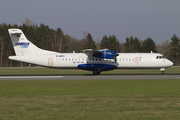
point(157, 19)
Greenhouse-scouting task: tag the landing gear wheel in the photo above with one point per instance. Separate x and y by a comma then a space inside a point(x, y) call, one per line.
point(162, 70)
point(96, 71)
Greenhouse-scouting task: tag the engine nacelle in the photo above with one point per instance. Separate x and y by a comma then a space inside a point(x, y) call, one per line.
point(105, 53)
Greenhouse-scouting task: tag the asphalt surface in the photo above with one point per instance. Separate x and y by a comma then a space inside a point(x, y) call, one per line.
point(93, 77)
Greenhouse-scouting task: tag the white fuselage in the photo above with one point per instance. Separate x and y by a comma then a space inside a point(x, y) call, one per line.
point(27, 52)
point(72, 60)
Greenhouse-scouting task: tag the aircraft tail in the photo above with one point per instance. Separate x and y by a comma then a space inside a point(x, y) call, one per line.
point(22, 46)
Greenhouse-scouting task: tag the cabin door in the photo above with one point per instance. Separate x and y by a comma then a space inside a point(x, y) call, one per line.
point(50, 62)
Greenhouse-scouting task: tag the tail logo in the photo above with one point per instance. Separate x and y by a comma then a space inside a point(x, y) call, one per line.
point(23, 44)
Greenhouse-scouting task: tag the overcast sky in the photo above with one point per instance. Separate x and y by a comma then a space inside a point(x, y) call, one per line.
point(157, 19)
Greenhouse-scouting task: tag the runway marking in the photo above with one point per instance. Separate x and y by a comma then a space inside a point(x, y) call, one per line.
point(29, 77)
point(90, 77)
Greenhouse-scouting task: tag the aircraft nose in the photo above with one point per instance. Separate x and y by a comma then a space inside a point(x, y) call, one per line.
point(170, 63)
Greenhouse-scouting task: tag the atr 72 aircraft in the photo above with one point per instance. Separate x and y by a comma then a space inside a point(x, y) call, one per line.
point(92, 60)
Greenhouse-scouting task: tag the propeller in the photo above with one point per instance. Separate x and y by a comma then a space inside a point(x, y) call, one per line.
point(115, 55)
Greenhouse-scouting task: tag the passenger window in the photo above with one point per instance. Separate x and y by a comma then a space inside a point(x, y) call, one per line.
point(129, 59)
point(157, 57)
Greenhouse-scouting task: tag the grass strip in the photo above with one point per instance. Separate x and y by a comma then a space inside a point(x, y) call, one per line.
point(90, 107)
point(98, 87)
point(90, 100)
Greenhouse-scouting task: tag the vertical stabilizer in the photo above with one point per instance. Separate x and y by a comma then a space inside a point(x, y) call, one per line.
point(22, 46)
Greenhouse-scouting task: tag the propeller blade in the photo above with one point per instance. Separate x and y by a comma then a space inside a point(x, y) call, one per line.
point(115, 59)
point(115, 55)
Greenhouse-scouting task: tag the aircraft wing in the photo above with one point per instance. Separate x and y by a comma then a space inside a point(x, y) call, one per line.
point(94, 53)
point(103, 53)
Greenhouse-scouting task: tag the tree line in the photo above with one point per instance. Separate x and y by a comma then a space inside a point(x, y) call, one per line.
point(55, 40)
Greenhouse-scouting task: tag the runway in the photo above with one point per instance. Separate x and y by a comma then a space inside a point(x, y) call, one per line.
point(92, 77)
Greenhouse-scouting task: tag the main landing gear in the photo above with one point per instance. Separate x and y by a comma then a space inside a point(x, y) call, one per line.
point(96, 71)
point(162, 70)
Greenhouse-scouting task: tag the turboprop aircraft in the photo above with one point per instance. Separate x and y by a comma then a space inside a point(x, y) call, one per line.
point(92, 60)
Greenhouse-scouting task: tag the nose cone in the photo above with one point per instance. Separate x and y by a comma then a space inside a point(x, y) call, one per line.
point(170, 63)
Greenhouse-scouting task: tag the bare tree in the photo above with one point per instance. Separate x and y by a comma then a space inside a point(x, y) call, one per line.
point(56, 42)
point(72, 43)
point(98, 46)
point(28, 22)
point(164, 48)
point(166, 44)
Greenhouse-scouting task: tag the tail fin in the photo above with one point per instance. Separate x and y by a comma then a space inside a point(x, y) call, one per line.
point(22, 46)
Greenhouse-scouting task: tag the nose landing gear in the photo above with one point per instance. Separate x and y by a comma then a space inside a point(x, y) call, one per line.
point(162, 70)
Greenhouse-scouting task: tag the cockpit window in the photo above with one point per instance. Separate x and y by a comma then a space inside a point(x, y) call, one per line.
point(160, 57)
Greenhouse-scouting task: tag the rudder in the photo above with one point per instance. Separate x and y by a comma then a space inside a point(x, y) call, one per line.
point(22, 46)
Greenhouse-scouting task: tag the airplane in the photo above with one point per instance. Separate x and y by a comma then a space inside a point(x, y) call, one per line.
point(92, 60)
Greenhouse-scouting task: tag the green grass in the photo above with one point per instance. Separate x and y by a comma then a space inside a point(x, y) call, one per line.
point(89, 100)
point(90, 107)
point(99, 87)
